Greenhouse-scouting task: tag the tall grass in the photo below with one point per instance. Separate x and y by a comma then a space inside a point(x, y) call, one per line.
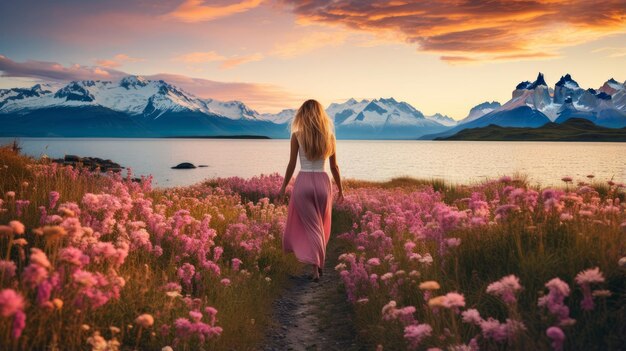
point(477, 235)
point(153, 235)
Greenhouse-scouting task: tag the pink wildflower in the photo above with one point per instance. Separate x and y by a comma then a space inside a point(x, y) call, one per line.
point(454, 301)
point(236, 264)
point(375, 261)
point(505, 288)
point(415, 334)
point(186, 273)
point(585, 279)
point(19, 323)
point(554, 300)
point(472, 316)
point(557, 336)
point(590, 276)
point(53, 197)
point(10, 302)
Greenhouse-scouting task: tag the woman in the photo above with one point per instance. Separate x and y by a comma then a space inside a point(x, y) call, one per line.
point(310, 207)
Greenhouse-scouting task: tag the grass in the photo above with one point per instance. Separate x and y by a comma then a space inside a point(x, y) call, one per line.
point(533, 244)
point(243, 306)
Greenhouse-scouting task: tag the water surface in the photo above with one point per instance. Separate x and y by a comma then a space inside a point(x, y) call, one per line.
point(455, 161)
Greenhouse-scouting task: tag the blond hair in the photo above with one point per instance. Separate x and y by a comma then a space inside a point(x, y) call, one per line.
point(314, 130)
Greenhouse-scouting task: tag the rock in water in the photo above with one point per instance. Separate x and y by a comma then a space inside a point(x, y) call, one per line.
point(184, 165)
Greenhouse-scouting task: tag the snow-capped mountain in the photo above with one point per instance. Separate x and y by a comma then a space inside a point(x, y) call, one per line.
point(132, 106)
point(443, 119)
point(133, 95)
point(231, 109)
point(480, 110)
point(534, 104)
point(381, 118)
point(604, 106)
point(135, 106)
point(15, 94)
point(282, 117)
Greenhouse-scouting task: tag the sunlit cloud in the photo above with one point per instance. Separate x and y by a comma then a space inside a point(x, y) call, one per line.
point(308, 43)
point(200, 11)
point(471, 31)
point(117, 61)
point(614, 52)
point(199, 57)
point(240, 60)
point(55, 71)
point(212, 56)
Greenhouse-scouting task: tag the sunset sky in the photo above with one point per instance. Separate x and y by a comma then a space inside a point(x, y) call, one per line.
point(439, 56)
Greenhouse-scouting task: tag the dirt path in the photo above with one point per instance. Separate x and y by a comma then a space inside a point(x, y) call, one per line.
point(313, 316)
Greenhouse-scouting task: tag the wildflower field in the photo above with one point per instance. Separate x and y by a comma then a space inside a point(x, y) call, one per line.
point(92, 261)
point(101, 262)
point(494, 266)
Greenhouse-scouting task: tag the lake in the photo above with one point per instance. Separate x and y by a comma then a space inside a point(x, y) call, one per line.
point(455, 161)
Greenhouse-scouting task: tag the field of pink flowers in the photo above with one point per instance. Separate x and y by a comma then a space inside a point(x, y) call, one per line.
point(499, 265)
point(105, 262)
point(98, 262)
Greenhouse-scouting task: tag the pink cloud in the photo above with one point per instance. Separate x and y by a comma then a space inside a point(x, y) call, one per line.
point(240, 60)
point(212, 56)
point(117, 61)
point(199, 11)
point(54, 71)
point(199, 57)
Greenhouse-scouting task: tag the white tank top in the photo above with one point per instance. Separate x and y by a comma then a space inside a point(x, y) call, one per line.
point(307, 165)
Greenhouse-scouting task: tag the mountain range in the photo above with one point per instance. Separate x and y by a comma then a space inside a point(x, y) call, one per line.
point(136, 107)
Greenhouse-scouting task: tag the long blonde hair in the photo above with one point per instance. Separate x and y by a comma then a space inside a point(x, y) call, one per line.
point(315, 130)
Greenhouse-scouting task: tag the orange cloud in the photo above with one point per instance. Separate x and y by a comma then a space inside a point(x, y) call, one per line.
point(200, 57)
point(239, 60)
point(473, 31)
point(212, 56)
point(308, 43)
point(117, 61)
point(197, 11)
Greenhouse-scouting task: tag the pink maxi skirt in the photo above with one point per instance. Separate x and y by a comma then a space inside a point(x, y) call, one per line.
point(308, 218)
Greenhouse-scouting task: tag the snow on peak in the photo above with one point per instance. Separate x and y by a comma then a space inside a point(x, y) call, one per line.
point(377, 113)
point(540, 81)
point(480, 110)
point(135, 82)
point(442, 119)
point(568, 82)
point(231, 109)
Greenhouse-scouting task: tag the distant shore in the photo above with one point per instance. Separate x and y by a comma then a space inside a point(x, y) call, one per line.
point(219, 137)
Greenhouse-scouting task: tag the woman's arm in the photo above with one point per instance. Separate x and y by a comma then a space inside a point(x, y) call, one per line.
point(334, 169)
point(293, 157)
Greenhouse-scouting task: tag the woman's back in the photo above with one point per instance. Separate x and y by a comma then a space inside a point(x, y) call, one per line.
point(307, 165)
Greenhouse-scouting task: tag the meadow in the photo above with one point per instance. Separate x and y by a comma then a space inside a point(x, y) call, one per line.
point(93, 261)
point(498, 265)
